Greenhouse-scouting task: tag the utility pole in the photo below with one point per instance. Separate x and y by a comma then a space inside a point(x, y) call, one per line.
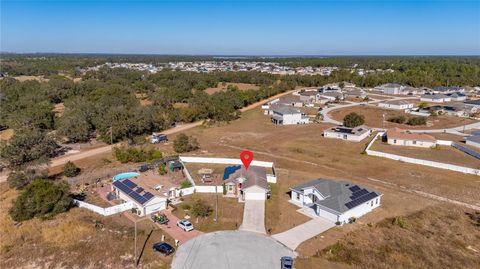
point(135, 257)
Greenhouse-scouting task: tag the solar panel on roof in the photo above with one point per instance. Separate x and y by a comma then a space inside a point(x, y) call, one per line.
point(354, 188)
point(148, 195)
point(137, 197)
point(139, 190)
point(361, 200)
point(359, 193)
point(119, 185)
point(129, 183)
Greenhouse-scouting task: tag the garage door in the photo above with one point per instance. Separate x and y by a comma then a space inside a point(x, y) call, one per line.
point(327, 215)
point(255, 196)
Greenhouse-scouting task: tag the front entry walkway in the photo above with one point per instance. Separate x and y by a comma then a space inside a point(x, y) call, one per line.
point(295, 236)
point(254, 216)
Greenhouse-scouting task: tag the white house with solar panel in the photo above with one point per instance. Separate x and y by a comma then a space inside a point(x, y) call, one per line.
point(143, 201)
point(336, 201)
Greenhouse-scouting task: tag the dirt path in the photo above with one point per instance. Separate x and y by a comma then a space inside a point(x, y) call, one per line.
point(59, 161)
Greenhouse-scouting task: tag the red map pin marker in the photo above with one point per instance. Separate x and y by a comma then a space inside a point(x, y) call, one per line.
point(246, 157)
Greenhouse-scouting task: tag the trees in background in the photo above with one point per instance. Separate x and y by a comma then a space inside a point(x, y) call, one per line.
point(353, 119)
point(28, 145)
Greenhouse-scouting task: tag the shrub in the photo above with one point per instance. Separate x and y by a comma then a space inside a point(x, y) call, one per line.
point(201, 209)
point(184, 143)
point(186, 207)
point(41, 198)
point(398, 119)
point(136, 155)
point(70, 169)
point(399, 221)
point(162, 169)
point(185, 184)
point(417, 121)
point(353, 120)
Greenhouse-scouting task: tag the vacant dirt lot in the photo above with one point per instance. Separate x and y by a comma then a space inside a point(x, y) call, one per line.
point(436, 237)
point(374, 117)
point(222, 86)
point(443, 154)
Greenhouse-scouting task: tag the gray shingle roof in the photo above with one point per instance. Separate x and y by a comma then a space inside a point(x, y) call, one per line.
point(337, 193)
point(285, 110)
point(474, 138)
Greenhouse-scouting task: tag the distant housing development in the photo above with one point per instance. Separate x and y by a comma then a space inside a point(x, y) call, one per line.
point(337, 201)
point(356, 134)
point(285, 115)
point(399, 137)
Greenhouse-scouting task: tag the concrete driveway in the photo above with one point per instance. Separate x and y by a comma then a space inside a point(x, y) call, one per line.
point(254, 217)
point(295, 236)
point(230, 249)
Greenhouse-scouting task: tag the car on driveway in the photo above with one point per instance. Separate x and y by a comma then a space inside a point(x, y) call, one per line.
point(163, 248)
point(287, 262)
point(185, 225)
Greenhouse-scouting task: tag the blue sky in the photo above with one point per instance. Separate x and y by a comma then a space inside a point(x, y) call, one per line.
point(242, 28)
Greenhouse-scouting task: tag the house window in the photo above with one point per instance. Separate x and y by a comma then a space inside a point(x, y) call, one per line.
point(414, 142)
point(371, 204)
point(394, 141)
point(230, 187)
point(297, 195)
point(376, 201)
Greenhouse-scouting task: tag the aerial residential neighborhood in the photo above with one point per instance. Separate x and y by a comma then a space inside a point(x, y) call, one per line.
point(240, 134)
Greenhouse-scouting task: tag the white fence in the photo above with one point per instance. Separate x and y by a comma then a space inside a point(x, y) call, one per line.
point(444, 142)
point(451, 167)
point(209, 189)
point(223, 161)
point(186, 191)
point(105, 211)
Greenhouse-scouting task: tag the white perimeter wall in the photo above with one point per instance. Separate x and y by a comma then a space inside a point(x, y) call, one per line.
point(451, 167)
point(105, 211)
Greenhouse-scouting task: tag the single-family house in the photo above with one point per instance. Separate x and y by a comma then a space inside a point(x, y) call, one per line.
point(332, 96)
point(473, 103)
point(356, 134)
point(447, 89)
point(308, 96)
point(144, 201)
point(329, 88)
point(399, 137)
point(286, 115)
point(457, 96)
point(391, 88)
point(337, 201)
point(396, 104)
point(435, 98)
point(356, 93)
point(246, 184)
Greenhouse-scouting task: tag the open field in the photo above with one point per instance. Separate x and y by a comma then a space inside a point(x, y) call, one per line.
point(25, 78)
point(301, 153)
point(436, 237)
point(223, 87)
point(77, 239)
point(374, 117)
point(443, 154)
point(230, 212)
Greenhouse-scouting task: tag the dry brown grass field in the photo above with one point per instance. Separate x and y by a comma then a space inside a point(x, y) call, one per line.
point(443, 154)
point(77, 239)
point(436, 237)
point(223, 87)
point(373, 118)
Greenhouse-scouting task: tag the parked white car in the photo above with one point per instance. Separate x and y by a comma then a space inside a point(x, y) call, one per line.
point(185, 225)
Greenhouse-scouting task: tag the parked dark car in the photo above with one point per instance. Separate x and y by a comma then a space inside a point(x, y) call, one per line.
point(287, 262)
point(163, 248)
